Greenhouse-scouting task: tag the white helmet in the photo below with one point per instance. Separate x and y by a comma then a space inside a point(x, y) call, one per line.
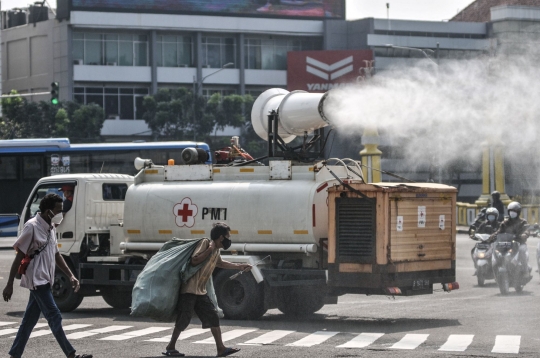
point(492, 212)
point(515, 207)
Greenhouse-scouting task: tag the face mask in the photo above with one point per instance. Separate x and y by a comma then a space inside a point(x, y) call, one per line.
point(57, 219)
point(491, 217)
point(513, 214)
point(226, 243)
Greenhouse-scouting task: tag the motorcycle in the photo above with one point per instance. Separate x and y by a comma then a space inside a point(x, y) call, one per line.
point(506, 265)
point(481, 255)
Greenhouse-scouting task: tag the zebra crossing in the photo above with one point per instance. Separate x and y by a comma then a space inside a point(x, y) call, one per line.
point(509, 344)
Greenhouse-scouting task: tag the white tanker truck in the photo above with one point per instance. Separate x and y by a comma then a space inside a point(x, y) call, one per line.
point(327, 231)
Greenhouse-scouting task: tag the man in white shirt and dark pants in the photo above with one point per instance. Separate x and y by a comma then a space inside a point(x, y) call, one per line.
point(38, 238)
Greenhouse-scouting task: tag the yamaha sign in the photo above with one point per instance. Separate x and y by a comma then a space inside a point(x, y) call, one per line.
point(320, 71)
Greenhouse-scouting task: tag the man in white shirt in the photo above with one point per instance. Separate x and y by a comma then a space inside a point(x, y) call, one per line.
point(38, 238)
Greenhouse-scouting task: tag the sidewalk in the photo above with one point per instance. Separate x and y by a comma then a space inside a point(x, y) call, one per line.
point(7, 242)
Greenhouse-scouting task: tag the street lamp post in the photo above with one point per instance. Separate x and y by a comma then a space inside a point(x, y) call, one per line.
point(198, 87)
point(436, 62)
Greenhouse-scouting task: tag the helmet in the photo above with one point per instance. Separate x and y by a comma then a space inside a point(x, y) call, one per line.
point(514, 206)
point(492, 211)
point(496, 195)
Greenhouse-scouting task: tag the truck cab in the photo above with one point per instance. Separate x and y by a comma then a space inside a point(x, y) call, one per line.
point(97, 205)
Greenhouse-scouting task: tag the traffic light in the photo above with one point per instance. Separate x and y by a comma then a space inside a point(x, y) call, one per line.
point(55, 92)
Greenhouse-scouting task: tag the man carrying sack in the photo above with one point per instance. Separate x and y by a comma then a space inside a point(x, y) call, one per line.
point(193, 294)
point(37, 254)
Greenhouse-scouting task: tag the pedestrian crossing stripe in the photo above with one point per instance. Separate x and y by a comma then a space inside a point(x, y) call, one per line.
point(509, 344)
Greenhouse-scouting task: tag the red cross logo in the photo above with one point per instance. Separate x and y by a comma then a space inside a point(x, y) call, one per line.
point(185, 212)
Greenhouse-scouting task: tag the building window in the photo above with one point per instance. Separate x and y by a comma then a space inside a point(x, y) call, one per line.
point(271, 54)
point(123, 103)
point(174, 51)
point(110, 49)
point(218, 51)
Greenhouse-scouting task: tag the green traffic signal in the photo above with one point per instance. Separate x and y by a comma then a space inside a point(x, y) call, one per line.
point(55, 91)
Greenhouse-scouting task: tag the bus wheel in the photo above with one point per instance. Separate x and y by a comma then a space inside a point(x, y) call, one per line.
point(241, 298)
point(65, 297)
point(116, 298)
point(299, 301)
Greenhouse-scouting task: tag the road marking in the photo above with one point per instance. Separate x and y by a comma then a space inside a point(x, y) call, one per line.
point(7, 331)
point(410, 341)
point(133, 334)
point(93, 332)
point(6, 323)
point(313, 339)
point(71, 327)
point(268, 338)
point(457, 342)
point(362, 340)
point(235, 333)
point(184, 335)
point(506, 344)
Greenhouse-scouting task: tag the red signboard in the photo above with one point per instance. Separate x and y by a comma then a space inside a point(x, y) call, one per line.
point(320, 71)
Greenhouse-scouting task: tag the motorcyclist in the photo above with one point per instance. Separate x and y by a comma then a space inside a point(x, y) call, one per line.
point(517, 226)
point(490, 226)
point(498, 204)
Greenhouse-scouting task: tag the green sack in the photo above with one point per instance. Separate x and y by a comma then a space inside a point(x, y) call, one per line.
point(156, 290)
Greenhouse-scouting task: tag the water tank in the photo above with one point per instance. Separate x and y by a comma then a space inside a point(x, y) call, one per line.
point(16, 17)
point(38, 13)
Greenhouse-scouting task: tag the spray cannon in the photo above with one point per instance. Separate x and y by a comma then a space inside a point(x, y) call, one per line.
point(279, 116)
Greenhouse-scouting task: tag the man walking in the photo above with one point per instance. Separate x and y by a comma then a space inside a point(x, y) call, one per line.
point(38, 239)
point(193, 295)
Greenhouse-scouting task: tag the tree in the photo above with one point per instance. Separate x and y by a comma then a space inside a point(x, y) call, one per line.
point(181, 115)
point(24, 119)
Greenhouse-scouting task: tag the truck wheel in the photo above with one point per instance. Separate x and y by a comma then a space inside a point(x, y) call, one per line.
point(116, 298)
point(300, 301)
point(241, 298)
point(65, 297)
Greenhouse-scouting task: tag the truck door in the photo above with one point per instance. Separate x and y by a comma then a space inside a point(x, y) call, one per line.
point(67, 229)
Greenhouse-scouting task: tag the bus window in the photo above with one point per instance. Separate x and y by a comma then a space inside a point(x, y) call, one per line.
point(32, 167)
point(8, 168)
point(158, 157)
point(114, 163)
point(115, 192)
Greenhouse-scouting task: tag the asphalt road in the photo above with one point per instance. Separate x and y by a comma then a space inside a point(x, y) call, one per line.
point(470, 322)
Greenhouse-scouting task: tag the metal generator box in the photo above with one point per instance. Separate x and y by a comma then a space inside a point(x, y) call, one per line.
point(391, 237)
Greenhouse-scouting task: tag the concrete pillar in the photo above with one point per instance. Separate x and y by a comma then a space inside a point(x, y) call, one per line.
point(371, 156)
point(492, 174)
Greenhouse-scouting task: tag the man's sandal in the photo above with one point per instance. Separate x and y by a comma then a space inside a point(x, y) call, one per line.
point(172, 353)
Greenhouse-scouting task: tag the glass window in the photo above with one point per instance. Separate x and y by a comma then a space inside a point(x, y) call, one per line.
point(126, 54)
point(79, 163)
point(96, 99)
point(113, 162)
point(184, 51)
point(115, 192)
point(170, 54)
point(111, 53)
point(217, 51)
point(78, 52)
point(141, 54)
point(126, 107)
point(32, 167)
point(139, 107)
point(111, 106)
point(40, 194)
point(8, 168)
point(158, 157)
point(92, 53)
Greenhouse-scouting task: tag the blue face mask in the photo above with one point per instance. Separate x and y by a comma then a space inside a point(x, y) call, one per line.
point(513, 214)
point(491, 217)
